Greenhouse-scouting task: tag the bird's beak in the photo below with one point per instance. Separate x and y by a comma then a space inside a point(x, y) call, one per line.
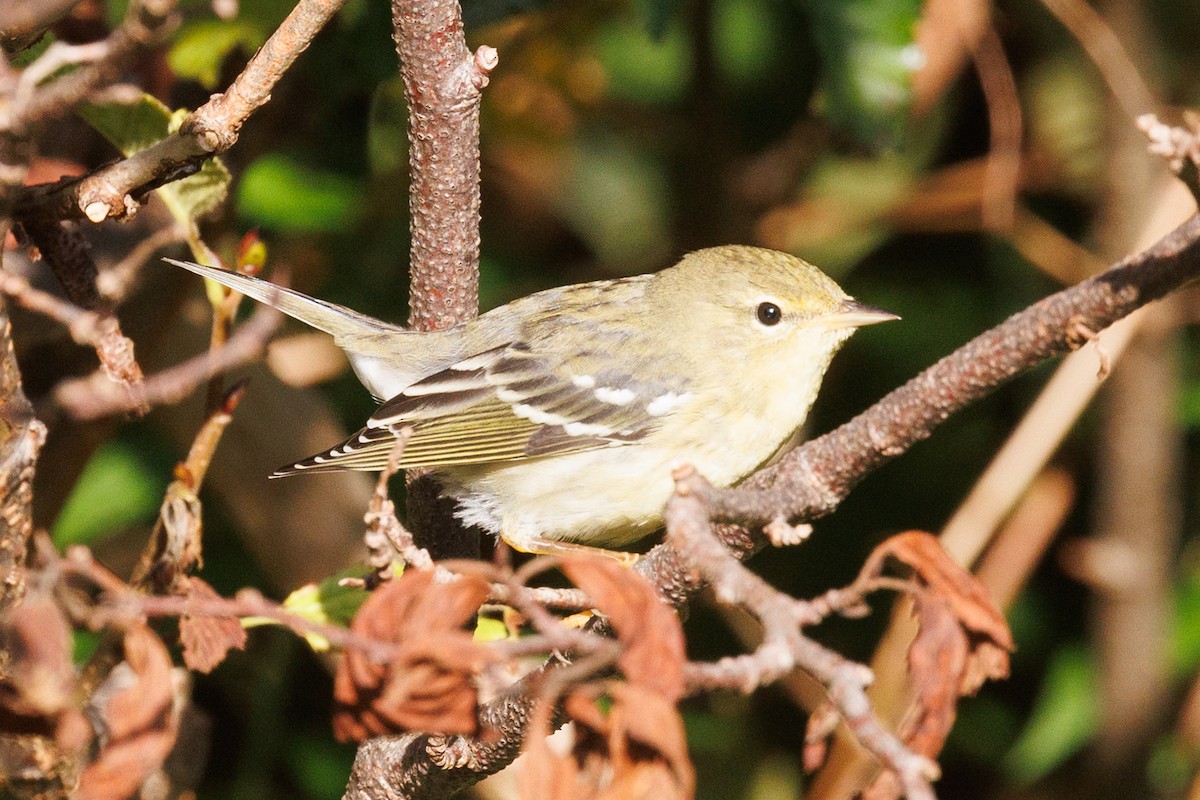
point(853, 314)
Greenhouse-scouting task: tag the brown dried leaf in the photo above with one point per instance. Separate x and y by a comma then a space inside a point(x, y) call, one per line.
point(208, 638)
point(654, 652)
point(968, 598)
point(40, 678)
point(136, 706)
point(937, 659)
point(429, 684)
point(962, 640)
point(546, 774)
point(636, 750)
point(37, 691)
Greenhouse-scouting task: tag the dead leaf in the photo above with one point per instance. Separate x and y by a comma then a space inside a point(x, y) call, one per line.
point(546, 774)
point(38, 688)
point(136, 709)
point(429, 684)
point(636, 750)
point(654, 652)
point(968, 598)
point(962, 640)
point(208, 638)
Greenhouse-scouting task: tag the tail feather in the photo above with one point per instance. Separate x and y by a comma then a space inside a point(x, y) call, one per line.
point(346, 325)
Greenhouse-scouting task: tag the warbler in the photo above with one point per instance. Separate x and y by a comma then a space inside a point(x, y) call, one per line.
point(555, 421)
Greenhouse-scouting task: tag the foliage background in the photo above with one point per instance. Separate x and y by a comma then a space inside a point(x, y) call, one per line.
point(615, 137)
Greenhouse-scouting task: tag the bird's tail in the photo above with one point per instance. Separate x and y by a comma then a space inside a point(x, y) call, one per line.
point(347, 326)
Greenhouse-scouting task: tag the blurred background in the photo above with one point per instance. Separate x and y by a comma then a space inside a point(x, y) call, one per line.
point(948, 160)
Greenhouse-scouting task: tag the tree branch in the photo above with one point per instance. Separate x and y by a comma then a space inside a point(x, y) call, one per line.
point(812, 481)
point(211, 129)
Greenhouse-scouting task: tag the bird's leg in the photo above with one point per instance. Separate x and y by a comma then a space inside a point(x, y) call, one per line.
point(536, 545)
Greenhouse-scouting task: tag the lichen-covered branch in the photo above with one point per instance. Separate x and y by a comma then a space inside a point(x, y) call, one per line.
point(813, 480)
point(442, 85)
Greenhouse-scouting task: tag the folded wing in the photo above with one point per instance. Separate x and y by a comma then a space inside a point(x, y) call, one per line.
point(505, 404)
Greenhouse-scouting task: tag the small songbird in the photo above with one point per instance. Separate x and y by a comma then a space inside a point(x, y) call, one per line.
point(555, 421)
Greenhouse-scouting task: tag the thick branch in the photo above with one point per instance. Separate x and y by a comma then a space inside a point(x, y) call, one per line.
point(442, 83)
point(813, 480)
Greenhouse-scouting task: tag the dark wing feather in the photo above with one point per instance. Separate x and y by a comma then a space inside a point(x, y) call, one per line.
point(505, 404)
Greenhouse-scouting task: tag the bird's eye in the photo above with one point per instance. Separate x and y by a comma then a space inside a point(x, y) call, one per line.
point(769, 314)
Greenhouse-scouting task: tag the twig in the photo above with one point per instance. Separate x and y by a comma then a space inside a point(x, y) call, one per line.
point(386, 538)
point(122, 601)
point(1002, 170)
point(95, 396)
point(1179, 145)
point(211, 129)
point(90, 328)
point(146, 22)
point(689, 532)
point(175, 548)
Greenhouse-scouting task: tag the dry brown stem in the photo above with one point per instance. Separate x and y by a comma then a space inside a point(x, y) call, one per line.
point(211, 129)
point(96, 396)
point(147, 22)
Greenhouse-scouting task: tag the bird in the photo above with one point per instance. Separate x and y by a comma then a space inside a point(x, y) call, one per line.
point(555, 421)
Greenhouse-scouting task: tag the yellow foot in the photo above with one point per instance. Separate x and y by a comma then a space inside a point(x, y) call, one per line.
point(549, 547)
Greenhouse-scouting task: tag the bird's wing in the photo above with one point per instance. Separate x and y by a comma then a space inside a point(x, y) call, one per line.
point(505, 404)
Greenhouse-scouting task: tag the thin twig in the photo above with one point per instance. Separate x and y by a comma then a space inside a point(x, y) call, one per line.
point(1002, 171)
point(96, 396)
point(147, 22)
point(690, 532)
point(211, 129)
point(97, 329)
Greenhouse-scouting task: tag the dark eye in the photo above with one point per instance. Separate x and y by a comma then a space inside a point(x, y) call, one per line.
point(769, 314)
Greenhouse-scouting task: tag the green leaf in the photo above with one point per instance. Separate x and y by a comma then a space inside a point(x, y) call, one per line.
point(489, 629)
point(869, 55)
point(1185, 636)
point(747, 38)
point(327, 602)
point(279, 192)
point(202, 46)
point(1063, 720)
point(115, 491)
point(132, 127)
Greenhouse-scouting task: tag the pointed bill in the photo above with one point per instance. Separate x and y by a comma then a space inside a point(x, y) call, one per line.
point(852, 314)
